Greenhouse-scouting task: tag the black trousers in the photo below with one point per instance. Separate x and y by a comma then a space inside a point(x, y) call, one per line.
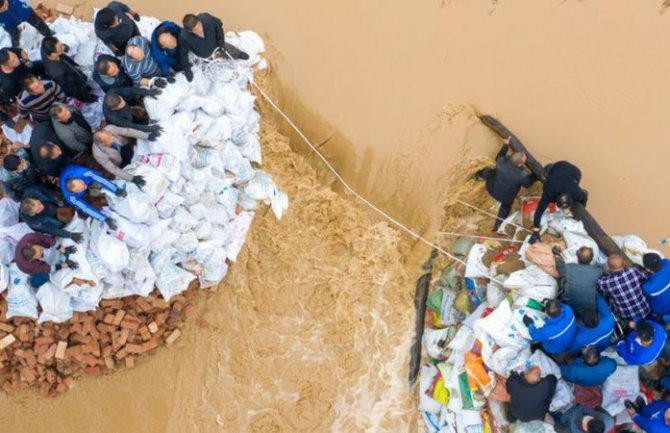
point(127, 153)
point(489, 175)
point(35, 21)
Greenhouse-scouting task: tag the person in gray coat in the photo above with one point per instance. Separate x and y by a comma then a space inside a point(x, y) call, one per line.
point(113, 151)
point(578, 280)
point(71, 127)
point(583, 419)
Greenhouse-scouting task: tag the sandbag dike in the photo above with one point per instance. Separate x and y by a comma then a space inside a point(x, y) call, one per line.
point(180, 232)
point(474, 334)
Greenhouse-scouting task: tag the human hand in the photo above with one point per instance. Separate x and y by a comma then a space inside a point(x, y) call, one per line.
point(139, 181)
point(72, 264)
point(535, 237)
point(111, 223)
point(77, 237)
point(70, 250)
point(121, 193)
point(161, 83)
point(153, 136)
point(528, 321)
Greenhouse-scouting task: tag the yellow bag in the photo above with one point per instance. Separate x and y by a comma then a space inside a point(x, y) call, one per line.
point(440, 392)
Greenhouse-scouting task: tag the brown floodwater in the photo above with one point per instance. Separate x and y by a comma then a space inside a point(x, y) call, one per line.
point(311, 329)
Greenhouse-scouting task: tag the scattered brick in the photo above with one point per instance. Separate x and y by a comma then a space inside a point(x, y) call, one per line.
point(60, 350)
point(169, 341)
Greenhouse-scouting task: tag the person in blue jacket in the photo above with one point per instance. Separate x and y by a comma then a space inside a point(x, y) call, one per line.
point(657, 286)
point(653, 417)
point(589, 370)
point(74, 182)
point(559, 328)
point(596, 329)
point(15, 12)
point(644, 345)
point(165, 47)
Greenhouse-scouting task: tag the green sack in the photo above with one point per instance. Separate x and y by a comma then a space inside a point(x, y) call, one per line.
point(463, 245)
point(434, 301)
point(450, 279)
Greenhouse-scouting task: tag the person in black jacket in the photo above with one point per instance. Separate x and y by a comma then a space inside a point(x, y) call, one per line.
point(42, 211)
point(48, 154)
point(203, 35)
point(65, 71)
point(115, 25)
point(17, 175)
point(14, 64)
point(560, 187)
point(530, 394)
point(117, 112)
point(504, 182)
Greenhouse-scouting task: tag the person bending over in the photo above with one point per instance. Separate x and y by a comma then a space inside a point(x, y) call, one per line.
point(578, 280)
point(657, 286)
point(37, 97)
point(17, 174)
point(14, 64)
point(115, 25)
point(530, 394)
point(558, 330)
point(203, 35)
point(113, 151)
point(118, 113)
point(623, 287)
point(140, 65)
point(561, 187)
point(582, 419)
point(504, 181)
point(596, 329)
point(653, 417)
point(589, 370)
point(644, 345)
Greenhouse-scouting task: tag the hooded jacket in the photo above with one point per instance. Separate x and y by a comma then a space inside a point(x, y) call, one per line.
point(168, 60)
point(557, 333)
point(601, 335)
point(580, 373)
point(657, 289)
point(89, 176)
point(139, 69)
point(116, 38)
point(635, 354)
point(18, 12)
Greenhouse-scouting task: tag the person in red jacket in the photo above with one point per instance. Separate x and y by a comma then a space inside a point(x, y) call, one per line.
point(38, 255)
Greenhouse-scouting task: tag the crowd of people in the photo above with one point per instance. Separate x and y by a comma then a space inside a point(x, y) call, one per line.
point(598, 306)
point(68, 161)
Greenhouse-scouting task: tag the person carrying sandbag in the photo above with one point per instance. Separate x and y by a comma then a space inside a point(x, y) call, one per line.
point(561, 187)
point(504, 181)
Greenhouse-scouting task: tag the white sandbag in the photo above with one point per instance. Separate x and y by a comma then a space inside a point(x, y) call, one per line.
point(434, 340)
point(162, 235)
point(166, 163)
point(547, 365)
point(156, 183)
point(261, 187)
point(563, 397)
point(427, 376)
point(141, 282)
point(575, 241)
point(237, 233)
point(168, 204)
point(215, 268)
point(87, 300)
point(16, 137)
point(508, 359)
point(182, 220)
point(9, 238)
point(112, 252)
point(137, 206)
point(566, 224)
point(634, 247)
point(4, 277)
point(173, 280)
point(9, 212)
point(164, 105)
point(474, 267)
point(132, 234)
point(55, 304)
point(159, 259)
point(495, 294)
point(623, 384)
point(532, 282)
point(186, 243)
point(21, 299)
point(532, 427)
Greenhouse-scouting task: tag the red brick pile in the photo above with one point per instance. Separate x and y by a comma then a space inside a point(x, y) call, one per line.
point(50, 356)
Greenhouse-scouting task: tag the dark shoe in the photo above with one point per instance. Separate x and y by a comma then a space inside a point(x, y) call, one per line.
point(630, 405)
point(640, 402)
point(480, 174)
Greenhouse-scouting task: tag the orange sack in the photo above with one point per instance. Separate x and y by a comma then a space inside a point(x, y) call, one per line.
point(478, 377)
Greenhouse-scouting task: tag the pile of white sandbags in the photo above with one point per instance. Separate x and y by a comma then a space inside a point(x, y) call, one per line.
point(192, 217)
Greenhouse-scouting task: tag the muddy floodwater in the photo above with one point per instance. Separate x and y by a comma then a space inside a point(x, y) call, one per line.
point(310, 331)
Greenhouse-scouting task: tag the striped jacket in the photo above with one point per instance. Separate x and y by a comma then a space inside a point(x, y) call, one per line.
point(37, 106)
